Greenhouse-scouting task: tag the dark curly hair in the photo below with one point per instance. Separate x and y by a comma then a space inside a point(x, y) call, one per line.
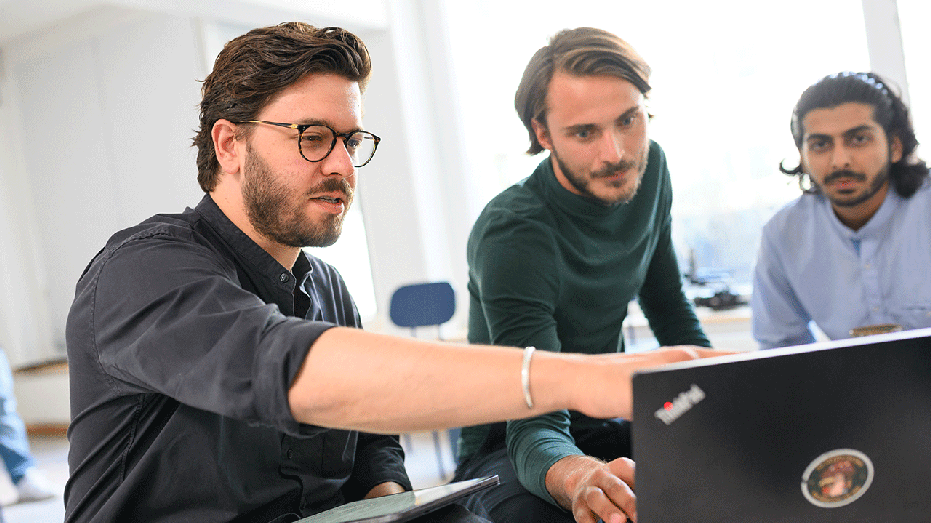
point(584, 51)
point(253, 68)
point(889, 111)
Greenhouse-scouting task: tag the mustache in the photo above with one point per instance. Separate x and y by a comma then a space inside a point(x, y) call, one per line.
point(844, 174)
point(610, 169)
point(335, 184)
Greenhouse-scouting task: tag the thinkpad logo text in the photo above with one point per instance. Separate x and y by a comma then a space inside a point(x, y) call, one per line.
point(672, 410)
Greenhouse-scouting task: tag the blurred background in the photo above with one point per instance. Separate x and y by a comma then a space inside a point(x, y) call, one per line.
point(98, 106)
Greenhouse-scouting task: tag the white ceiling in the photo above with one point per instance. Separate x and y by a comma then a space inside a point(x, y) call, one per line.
point(21, 17)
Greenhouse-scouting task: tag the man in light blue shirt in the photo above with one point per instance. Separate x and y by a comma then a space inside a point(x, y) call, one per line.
point(854, 250)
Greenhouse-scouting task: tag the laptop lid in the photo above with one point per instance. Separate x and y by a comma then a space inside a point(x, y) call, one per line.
point(829, 432)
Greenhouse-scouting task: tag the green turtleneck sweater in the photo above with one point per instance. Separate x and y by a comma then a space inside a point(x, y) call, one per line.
point(555, 270)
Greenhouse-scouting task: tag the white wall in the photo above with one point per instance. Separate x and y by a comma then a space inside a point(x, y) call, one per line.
point(103, 124)
point(23, 305)
point(418, 202)
point(97, 116)
point(884, 38)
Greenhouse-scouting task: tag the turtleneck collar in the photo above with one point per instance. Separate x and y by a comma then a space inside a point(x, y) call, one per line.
point(573, 204)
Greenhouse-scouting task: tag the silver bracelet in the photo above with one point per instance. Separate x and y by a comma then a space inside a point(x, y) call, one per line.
point(525, 376)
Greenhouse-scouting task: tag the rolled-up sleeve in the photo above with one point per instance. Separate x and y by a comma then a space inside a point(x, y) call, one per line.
point(169, 317)
point(379, 459)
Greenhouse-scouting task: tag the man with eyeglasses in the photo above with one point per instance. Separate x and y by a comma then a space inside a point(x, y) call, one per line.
point(553, 263)
point(218, 372)
point(852, 253)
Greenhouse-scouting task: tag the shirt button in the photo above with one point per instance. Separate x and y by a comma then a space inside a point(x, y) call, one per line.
point(290, 453)
point(283, 277)
point(875, 309)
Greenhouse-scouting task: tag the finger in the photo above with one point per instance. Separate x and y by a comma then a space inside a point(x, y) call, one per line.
point(705, 352)
point(624, 469)
point(676, 353)
point(691, 352)
point(621, 497)
point(583, 514)
point(599, 503)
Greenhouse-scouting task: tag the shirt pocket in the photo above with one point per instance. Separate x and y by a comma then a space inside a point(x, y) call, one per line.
point(913, 316)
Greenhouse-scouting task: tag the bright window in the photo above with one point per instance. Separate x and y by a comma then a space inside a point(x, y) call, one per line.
point(726, 74)
point(350, 256)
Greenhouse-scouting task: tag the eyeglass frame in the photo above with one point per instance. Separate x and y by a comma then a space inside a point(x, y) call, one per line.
point(301, 127)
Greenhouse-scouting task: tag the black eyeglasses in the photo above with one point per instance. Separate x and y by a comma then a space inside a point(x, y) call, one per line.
point(316, 141)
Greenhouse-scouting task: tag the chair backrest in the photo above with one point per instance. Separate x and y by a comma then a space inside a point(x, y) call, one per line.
point(423, 304)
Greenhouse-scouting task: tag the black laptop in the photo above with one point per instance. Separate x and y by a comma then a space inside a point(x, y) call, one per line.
point(828, 432)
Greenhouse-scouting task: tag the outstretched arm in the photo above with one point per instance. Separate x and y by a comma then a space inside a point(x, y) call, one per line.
point(358, 380)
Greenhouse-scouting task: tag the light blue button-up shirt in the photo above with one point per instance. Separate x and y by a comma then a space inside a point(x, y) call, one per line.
point(813, 268)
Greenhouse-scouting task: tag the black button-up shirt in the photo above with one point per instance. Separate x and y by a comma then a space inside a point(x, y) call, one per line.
point(183, 339)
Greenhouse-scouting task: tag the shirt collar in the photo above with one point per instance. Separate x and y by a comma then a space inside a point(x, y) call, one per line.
point(568, 201)
point(249, 252)
point(876, 226)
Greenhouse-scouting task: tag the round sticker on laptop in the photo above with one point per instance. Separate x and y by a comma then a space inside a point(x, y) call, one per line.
point(837, 478)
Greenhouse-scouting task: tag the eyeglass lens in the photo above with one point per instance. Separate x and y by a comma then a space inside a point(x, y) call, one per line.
point(318, 140)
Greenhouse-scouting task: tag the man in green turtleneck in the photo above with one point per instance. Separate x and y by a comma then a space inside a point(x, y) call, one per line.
point(553, 263)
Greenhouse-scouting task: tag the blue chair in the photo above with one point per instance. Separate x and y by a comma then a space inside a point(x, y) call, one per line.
point(423, 305)
point(428, 304)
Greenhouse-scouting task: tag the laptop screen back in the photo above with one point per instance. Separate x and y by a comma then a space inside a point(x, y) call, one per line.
point(834, 432)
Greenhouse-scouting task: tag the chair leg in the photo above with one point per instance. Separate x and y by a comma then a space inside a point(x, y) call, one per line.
point(439, 455)
point(453, 435)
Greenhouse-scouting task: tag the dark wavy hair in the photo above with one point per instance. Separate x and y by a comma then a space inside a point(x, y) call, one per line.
point(889, 111)
point(253, 68)
point(584, 51)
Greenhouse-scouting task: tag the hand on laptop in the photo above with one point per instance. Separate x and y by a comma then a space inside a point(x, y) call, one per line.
point(614, 377)
point(594, 490)
point(691, 352)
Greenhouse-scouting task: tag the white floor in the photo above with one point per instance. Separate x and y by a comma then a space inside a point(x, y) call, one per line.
point(51, 455)
point(52, 458)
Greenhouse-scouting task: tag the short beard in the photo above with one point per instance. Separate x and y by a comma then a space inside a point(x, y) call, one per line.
point(882, 178)
point(274, 214)
point(582, 185)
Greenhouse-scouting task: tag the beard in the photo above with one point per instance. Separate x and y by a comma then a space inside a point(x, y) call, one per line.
point(880, 181)
point(583, 184)
point(276, 213)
